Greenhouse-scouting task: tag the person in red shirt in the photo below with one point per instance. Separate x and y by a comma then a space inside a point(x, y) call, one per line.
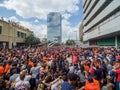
point(118, 57)
point(116, 69)
point(75, 59)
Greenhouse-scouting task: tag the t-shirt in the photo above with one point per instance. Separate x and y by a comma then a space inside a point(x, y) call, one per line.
point(71, 69)
point(34, 71)
point(118, 72)
point(2, 69)
point(27, 78)
point(22, 85)
point(66, 86)
point(105, 88)
point(92, 86)
point(13, 77)
point(86, 68)
point(57, 85)
point(7, 67)
point(74, 59)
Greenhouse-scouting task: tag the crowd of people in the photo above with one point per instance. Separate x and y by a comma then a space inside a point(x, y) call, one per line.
point(59, 68)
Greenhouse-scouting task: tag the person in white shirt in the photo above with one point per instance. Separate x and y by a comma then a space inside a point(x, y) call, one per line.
point(22, 85)
point(27, 77)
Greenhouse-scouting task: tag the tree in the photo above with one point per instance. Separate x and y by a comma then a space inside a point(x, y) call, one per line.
point(81, 38)
point(70, 42)
point(31, 40)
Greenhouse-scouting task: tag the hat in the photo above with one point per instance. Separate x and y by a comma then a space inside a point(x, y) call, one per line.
point(91, 70)
point(90, 79)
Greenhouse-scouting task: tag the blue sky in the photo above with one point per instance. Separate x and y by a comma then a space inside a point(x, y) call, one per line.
point(33, 15)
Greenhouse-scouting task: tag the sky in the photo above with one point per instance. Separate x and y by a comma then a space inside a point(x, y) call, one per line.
point(32, 14)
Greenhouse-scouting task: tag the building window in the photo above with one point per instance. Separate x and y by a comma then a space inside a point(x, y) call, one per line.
point(0, 29)
point(22, 35)
point(18, 34)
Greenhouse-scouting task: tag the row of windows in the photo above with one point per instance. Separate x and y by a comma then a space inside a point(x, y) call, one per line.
point(84, 4)
point(87, 6)
point(0, 29)
point(91, 8)
point(113, 15)
point(21, 34)
point(99, 11)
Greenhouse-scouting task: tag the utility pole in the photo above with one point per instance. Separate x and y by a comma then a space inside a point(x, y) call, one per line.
point(76, 34)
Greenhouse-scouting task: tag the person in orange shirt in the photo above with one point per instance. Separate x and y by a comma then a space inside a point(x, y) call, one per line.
point(30, 63)
point(92, 84)
point(45, 59)
point(86, 68)
point(7, 67)
point(2, 70)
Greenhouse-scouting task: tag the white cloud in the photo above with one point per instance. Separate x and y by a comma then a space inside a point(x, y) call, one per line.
point(13, 18)
point(40, 8)
point(36, 21)
point(39, 30)
point(66, 16)
point(68, 31)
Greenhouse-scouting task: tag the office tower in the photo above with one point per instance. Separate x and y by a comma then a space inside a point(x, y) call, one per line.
point(54, 27)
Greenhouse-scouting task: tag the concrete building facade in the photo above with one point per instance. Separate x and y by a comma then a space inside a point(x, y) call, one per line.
point(12, 34)
point(101, 22)
point(81, 32)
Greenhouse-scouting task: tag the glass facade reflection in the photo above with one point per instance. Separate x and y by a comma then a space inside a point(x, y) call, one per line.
point(54, 26)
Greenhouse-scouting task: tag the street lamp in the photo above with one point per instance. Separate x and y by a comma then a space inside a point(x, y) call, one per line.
point(76, 35)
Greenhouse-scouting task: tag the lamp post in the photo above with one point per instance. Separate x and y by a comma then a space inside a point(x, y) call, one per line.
point(76, 35)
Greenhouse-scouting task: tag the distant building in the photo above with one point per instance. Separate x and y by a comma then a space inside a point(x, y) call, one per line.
point(12, 34)
point(54, 27)
point(101, 22)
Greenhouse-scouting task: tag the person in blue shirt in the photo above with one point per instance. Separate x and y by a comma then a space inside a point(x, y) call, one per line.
point(70, 83)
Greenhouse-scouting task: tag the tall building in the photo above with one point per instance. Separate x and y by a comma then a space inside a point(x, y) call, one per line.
point(12, 34)
point(101, 22)
point(54, 27)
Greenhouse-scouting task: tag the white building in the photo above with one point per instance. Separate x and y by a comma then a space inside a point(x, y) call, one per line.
point(101, 22)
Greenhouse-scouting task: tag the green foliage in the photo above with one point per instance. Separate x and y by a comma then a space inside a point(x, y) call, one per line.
point(57, 44)
point(31, 40)
point(49, 42)
point(70, 42)
point(81, 38)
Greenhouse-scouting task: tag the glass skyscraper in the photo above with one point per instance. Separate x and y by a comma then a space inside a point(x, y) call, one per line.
point(54, 27)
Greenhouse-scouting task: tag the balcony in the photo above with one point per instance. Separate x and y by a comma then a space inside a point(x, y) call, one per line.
point(88, 1)
point(111, 7)
point(92, 2)
point(109, 26)
point(95, 9)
